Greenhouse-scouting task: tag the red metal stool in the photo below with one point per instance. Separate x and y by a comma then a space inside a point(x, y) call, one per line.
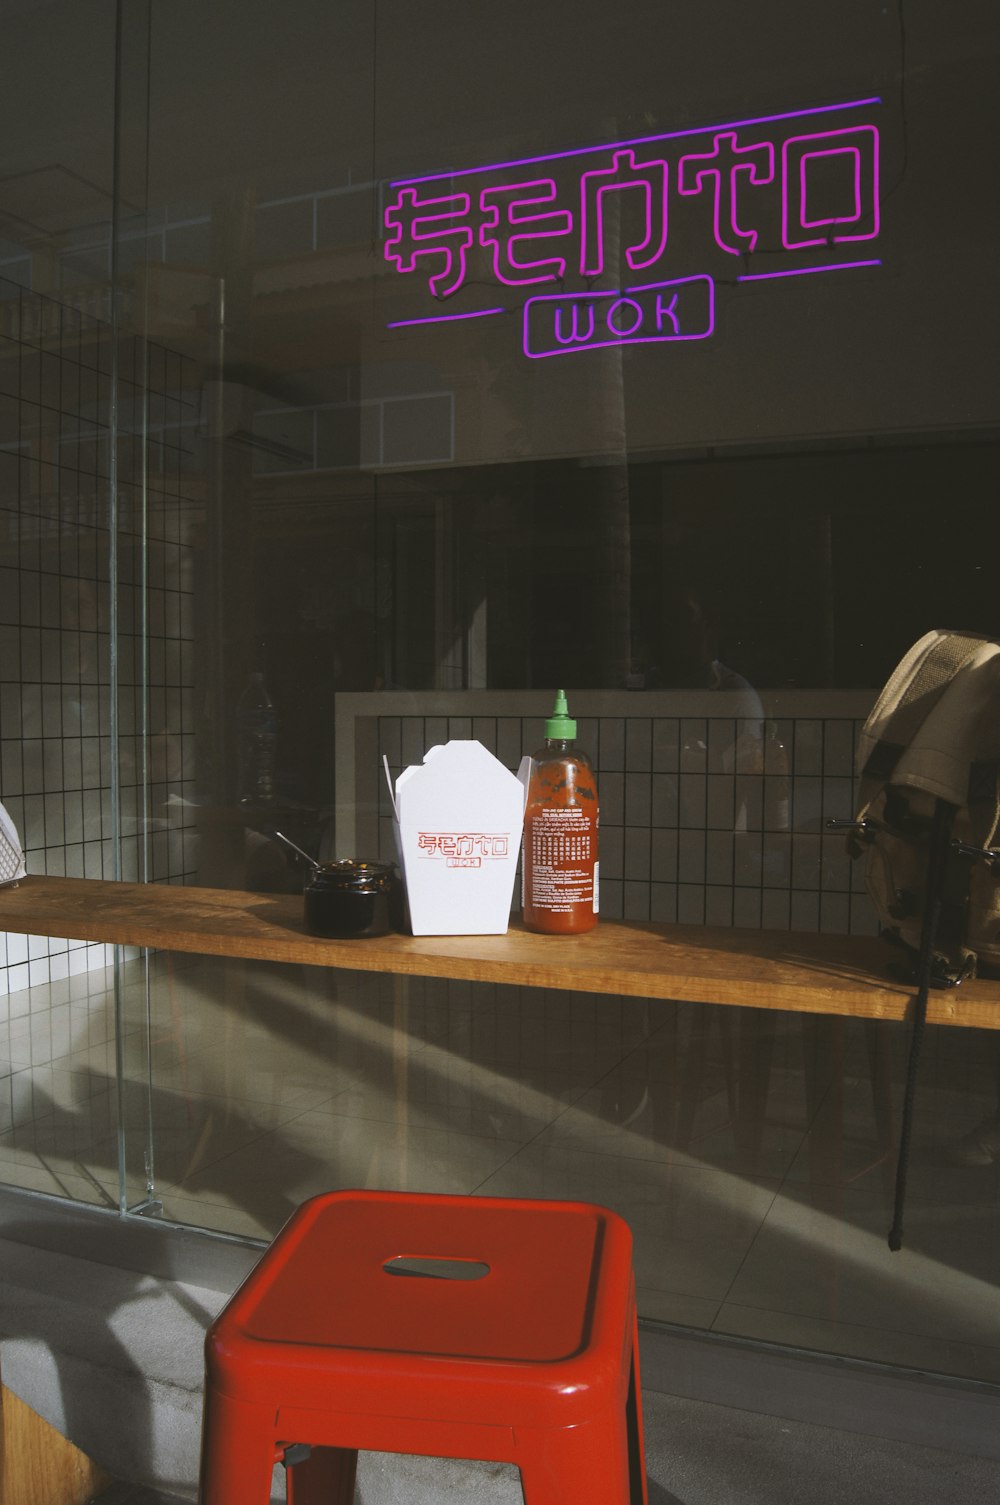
point(513, 1339)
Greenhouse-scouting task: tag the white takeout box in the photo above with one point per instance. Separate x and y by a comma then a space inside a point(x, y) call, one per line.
point(458, 820)
point(11, 856)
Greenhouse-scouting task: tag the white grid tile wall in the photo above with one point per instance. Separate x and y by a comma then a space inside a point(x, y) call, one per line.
point(156, 393)
point(700, 824)
point(55, 613)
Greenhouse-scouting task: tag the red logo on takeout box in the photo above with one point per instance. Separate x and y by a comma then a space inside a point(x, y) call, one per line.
point(463, 848)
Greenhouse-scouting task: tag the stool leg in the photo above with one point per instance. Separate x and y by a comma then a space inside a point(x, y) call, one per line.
point(326, 1477)
point(237, 1452)
point(584, 1465)
point(638, 1490)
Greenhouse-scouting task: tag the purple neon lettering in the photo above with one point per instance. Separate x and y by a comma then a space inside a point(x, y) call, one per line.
point(837, 219)
point(670, 310)
point(612, 314)
point(574, 337)
point(695, 130)
point(417, 230)
point(721, 168)
point(624, 174)
point(862, 141)
point(505, 210)
point(582, 338)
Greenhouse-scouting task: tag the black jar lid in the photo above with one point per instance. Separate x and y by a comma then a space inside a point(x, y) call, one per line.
point(354, 876)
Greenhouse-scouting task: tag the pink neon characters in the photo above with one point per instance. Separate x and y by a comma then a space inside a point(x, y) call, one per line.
point(770, 190)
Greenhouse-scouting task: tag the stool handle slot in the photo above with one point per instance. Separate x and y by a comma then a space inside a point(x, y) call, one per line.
point(436, 1267)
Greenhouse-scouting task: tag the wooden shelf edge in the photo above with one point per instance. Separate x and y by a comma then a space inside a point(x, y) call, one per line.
point(784, 970)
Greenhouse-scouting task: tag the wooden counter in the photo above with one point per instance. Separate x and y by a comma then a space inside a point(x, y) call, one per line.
point(803, 972)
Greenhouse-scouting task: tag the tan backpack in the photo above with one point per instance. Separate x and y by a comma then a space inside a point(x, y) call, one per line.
point(931, 750)
point(928, 815)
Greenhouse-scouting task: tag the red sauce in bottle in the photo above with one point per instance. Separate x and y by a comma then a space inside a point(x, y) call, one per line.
point(559, 862)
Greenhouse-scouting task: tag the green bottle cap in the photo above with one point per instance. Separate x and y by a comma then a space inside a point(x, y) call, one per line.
point(560, 727)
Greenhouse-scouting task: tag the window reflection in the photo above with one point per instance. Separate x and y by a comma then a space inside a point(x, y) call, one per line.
point(721, 546)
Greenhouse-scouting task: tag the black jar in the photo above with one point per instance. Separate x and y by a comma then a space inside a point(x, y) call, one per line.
point(354, 898)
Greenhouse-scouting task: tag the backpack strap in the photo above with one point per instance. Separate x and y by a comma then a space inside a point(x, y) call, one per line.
point(944, 815)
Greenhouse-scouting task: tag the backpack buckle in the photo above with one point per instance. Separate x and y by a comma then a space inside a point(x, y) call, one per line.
point(943, 977)
point(985, 854)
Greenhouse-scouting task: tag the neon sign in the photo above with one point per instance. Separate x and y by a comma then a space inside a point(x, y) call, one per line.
point(637, 235)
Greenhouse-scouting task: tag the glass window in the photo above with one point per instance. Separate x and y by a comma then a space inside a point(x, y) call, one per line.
point(452, 360)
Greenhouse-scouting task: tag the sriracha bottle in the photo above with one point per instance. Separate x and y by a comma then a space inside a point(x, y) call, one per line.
point(559, 862)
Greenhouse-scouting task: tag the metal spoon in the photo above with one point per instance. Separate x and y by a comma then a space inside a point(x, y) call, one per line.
point(304, 855)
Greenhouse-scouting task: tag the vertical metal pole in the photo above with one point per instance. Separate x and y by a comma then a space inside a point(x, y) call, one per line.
point(113, 643)
point(937, 856)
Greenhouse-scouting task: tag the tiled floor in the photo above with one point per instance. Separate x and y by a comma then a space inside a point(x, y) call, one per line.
point(744, 1147)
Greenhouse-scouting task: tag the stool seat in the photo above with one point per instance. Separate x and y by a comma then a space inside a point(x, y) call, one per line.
point(470, 1327)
